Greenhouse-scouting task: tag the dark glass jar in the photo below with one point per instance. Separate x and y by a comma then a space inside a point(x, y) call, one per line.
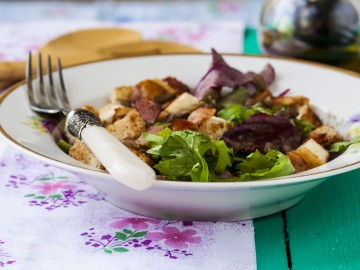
point(320, 30)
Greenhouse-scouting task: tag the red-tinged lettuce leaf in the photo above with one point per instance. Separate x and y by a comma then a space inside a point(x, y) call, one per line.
point(220, 74)
point(264, 132)
point(268, 74)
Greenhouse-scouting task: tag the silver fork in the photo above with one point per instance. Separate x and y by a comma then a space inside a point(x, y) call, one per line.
point(119, 161)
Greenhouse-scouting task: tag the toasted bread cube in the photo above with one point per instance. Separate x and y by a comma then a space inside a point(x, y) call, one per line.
point(129, 127)
point(293, 101)
point(81, 152)
point(326, 135)
point(150, 89)
point(185, 103)
point(122, 95)
point(307, 114)
point(143, 157)
point(297, 161)
point(106, 113)
point(166, 86)
point(214, 127)
point(312, 153)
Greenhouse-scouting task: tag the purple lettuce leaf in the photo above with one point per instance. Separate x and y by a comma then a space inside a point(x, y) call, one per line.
point(268, 74)
point(264, 132)
point(220, 74)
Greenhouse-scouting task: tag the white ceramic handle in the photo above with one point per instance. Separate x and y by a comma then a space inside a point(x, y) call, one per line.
point(120, 162)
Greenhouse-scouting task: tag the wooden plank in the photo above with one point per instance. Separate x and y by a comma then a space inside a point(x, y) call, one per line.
point(324, 231)
point(270, 243)
point(251, 45)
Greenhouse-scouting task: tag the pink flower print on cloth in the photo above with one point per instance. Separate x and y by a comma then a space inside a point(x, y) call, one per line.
point(175, 238)
point(131, 234)
point(135, 223)
point(44, 185)
point(47, 188)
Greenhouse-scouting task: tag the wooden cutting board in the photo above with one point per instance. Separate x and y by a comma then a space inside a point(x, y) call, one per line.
point(71, 45)
point(93, 45)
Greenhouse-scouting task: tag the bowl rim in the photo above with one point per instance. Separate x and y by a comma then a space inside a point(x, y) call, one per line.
point(293, 179)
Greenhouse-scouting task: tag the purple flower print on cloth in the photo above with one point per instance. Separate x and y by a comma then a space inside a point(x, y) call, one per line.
point(5, 259)
point(135, 223)
point(47, 188)
point(174, 237)
point(133, 234)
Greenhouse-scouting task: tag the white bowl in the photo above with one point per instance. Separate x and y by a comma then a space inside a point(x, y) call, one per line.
point(335, 94)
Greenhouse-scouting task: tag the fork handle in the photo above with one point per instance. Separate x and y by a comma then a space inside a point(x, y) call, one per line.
point(119, 161)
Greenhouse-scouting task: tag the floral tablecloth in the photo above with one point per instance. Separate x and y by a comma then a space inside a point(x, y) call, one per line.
point(52, 219)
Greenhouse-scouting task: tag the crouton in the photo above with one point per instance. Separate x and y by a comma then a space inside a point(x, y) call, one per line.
point(122, 95)
point(214, 127)
point(169, 89)
point(143, 157)
point(307, 114)
point(182, 124)
point(183, 104)
point(81, 152)
point(291, 101)
point(312, 153)
point(107, 113)
point(149, 89)
point(297, 161)
point(129, 127)
point(325, 135)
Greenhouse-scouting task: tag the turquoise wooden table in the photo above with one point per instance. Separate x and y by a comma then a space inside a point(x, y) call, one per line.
point(320, 232)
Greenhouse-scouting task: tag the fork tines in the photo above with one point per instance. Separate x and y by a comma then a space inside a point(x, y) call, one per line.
point(46, 96)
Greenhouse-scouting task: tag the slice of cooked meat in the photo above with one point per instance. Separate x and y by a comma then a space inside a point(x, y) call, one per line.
point(200, 115)
point(148, 110)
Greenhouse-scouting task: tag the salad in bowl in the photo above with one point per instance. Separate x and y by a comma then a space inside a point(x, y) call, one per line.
point(230, 137)
point(228, 128)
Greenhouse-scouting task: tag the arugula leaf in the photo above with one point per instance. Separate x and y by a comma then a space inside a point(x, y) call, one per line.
point(236, 113)
point(219, 157)
point(188, 155)
point(156, 139)
point(237, 96)
point(341, 147)
point(304, 126)
point(65, 146)
point(258, 166)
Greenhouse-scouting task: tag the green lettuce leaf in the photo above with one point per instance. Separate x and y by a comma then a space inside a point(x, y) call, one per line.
point(217, 155)
point(236, 113)
point(304, 126)
point(341, 147)
point(258, 166)
point(153, 140)
point(188, 155)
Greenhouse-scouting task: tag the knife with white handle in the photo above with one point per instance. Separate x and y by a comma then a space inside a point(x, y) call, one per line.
point(119, 161)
